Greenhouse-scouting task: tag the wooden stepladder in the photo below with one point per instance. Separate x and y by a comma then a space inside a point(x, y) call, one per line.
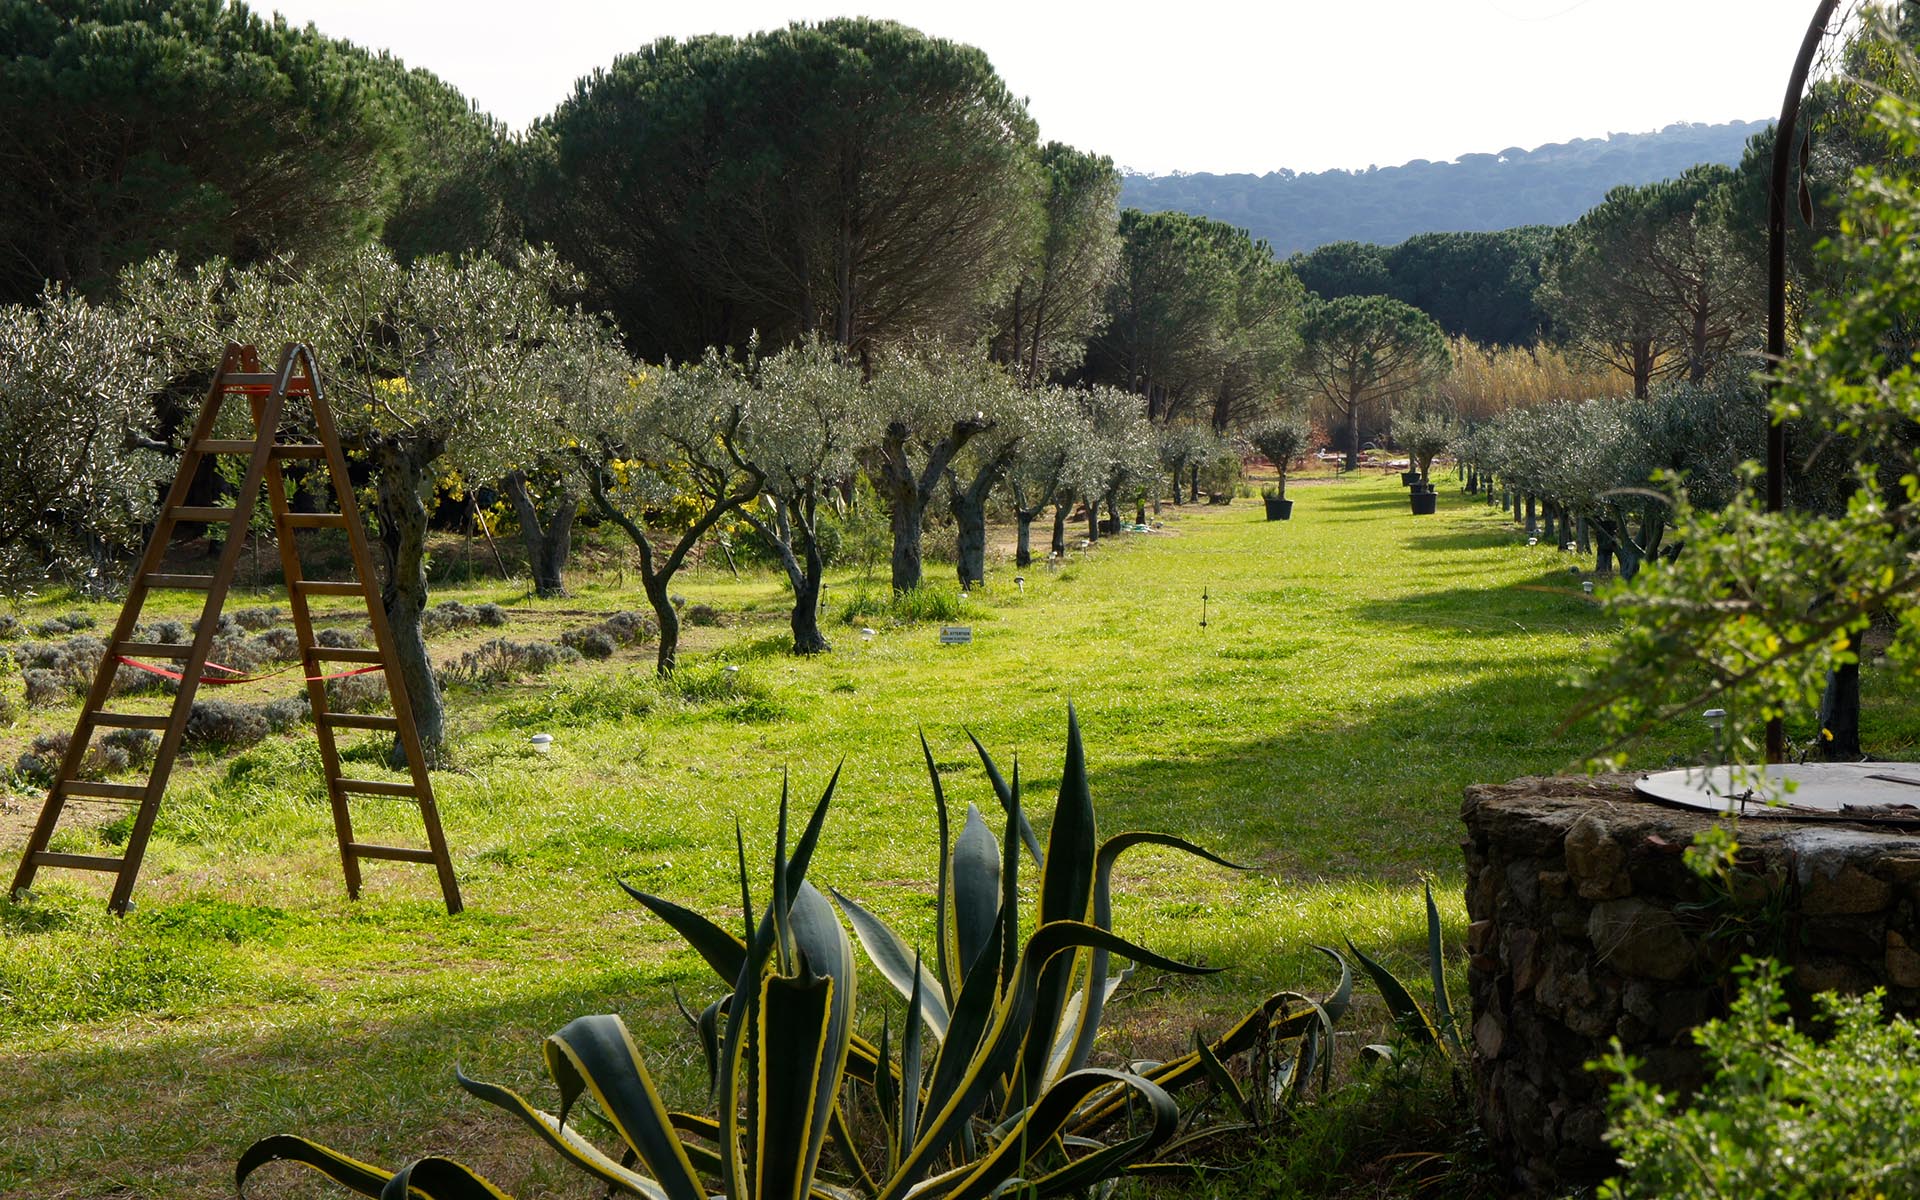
point(267, 393)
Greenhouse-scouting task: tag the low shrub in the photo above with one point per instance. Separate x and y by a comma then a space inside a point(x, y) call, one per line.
point(72, 661)
point(282, 644)
point(11, 628)
point(592, 642)
point(928, 602)
point(339, 638)
point(224, 725)
point(501, 660)
point(175, 632)
point(450, 615)
point(116, 752)
point(704, 615)
point(43, 688)
point(255, 620)
point(13, 692)
point(358, 694)
point(283, 714)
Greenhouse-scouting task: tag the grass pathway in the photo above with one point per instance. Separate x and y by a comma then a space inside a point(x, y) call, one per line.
point(1359, 667)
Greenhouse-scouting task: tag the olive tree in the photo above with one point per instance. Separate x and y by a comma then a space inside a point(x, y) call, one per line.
point(933, 403)
point(1280, 440)
point(79, 467)
point(1117, 459)
point(1041, 471)
point(974, 473)
point(658, 452)
point(809, 416)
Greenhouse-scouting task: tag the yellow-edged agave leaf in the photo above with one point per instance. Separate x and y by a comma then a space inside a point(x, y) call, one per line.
point(999, 1047)
point(1218, 1075)
point(364, 1178)
point(1039, 1130)
point(571, 1145)
point(722, 949)
point(793, 1067)
point(597, 1055)
point(897, 964)
point(976, 892)
point(1407, 1012)
point(1436, 967)
point(1009, 798)
point(946, 956)
point(436, 1178)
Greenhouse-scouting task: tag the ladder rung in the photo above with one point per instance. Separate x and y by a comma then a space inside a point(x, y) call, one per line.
point(113, 720)
point(103, 791)
point(296, 386)
point(299, 450)
point(376, 787)
point(156, 649)
point(199, 583)
point(225, 446)
point(78, 862)
point(317, 520)
point(397, 853)
point(330, 587)
point(346, 654)
point(357, 721)
point(192, 512)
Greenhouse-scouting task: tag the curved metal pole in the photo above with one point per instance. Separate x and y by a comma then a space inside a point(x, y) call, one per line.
point(1783, 140)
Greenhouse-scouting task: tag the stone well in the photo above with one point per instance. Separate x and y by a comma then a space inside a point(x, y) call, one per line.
point(1587, 925)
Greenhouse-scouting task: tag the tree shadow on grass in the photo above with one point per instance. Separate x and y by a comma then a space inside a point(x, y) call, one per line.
point(1549, 600)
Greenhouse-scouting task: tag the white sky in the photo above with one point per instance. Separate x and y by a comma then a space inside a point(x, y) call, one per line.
point(1194, 85)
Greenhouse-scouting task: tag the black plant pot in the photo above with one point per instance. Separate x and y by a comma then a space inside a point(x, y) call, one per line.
point(1409, 478)
point(1278, 509)
point(1425, 503)
point(1429, 488)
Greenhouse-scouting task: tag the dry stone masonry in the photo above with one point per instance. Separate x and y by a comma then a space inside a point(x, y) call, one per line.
point(1587, 924)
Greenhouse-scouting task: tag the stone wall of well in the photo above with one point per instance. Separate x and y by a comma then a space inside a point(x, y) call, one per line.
point(1587, 925)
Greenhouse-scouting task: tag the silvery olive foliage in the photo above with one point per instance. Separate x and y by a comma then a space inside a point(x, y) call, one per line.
point(78, 468)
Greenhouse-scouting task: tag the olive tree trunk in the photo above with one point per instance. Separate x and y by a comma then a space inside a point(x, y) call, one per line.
point(404, 481)
point(908, 490)
point(792, 532)
point(547, 542)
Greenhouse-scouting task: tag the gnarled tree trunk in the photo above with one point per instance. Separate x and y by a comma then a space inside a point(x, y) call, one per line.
point(405, 479)
point(548, 543)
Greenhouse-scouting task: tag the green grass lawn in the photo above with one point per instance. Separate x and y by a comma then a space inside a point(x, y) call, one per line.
point(1358, 668)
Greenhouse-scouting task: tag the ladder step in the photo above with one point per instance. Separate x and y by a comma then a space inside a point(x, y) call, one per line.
point(113, 720)
point(376, 787)
point(193, 512)
point(296, 386)
point(397, 853)
point(103, 791)
point(78, 862)
point(316, 520)
point(190, 583)
point(345, 654)
point(330, 587)
point(155, 649)
point(357, 721)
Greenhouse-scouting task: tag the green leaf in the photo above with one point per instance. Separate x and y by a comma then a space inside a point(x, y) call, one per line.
point(909, 1126)
point(898, 965)
point(1043, 1124)
point(1066, 894)
point(1223, 1081)
point(976, 890)
point(723, 951)
point(1009, 798)
point(794, 1064)
point(577, 1149)
point(1407, 1012)
point(364, 1178)
point(943, 964)
point(436, 1178)
point(598, 1054)
point(1442, 1002)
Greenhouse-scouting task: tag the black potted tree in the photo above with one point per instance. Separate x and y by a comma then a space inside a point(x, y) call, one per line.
point(1280, 440)
point(1426, 435)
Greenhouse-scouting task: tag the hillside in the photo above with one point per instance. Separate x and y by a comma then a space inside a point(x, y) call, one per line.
point(1549, 185)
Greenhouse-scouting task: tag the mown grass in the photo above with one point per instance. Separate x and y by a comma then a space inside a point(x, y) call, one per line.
point(1358, 668)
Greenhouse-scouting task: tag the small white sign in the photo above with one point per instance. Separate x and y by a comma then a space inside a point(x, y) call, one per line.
point(956, 635)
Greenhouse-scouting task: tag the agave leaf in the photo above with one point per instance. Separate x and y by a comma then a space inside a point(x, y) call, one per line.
point(1337, 1004)
point(794, 1065)
point(581, 1152)
point(999, 1047)
point(976, 890)
point(1222, 1080)
point(723, 951)
point(597, 1054)
point(1009, 798)
point(972, 1017)
point(909, 1126)
point(1066, 894)
point(363, 1178)
point(1042, 1125)
point(1442, 1002)
point(438, 1178)
point(1407, 1012)
point(944, 966)
point(1376, 1052)
point(1109, 854)
point(898, 965)
point(1074, 1021)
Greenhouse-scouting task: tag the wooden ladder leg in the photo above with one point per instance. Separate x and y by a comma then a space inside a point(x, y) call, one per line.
point(310, 665)
point(202, 646)
point(406, 730)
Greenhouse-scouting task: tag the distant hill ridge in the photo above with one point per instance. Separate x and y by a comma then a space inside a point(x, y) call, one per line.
point(1549, 185)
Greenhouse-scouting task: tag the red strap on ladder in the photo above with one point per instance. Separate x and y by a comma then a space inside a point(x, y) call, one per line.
point(235, 676)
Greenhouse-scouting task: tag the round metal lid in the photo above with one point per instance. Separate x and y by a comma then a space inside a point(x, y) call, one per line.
point(1872, 791)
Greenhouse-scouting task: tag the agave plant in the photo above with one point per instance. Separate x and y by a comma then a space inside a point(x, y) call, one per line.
point(1437, 1031)
point(990, 1085)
